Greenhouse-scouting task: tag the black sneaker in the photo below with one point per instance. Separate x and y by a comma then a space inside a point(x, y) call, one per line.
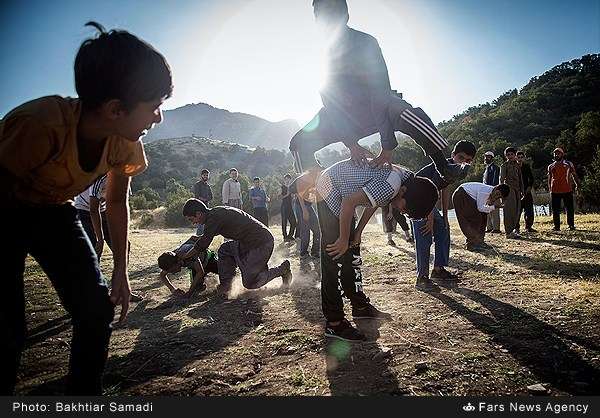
point(286, 273)
point(572, 228)
point(391, 242)
point(424, 283)
point(444, 275)
point(370, 312)
point(344, 331)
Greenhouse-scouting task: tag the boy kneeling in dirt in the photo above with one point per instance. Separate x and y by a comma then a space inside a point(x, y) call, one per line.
point(341, 188)
point(199, 266)
point(250, 248)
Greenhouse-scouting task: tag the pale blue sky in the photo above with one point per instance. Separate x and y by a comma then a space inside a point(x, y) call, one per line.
point(262, 56)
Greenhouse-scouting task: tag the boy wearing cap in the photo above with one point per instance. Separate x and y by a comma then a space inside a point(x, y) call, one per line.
point(491, 177)
point(560, 175)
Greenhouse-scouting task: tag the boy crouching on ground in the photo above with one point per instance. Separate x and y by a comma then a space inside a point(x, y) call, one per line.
point(206, 262)
point(341, 188)
point(250, 249)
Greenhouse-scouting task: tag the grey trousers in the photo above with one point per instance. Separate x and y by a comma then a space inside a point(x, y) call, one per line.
point(493, 220)
point(252, 262)
point(512, 211)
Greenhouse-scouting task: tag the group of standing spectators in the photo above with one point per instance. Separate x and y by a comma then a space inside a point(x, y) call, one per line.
point(231, 195)
point(518, 175)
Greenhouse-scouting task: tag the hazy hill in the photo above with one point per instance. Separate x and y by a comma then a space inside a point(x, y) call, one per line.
point(183, 158)
point(207, 121)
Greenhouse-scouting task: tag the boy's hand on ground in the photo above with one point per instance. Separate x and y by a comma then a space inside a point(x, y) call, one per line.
point(359, 155)
point(337, 249)
point(120, 293)
point(384, 157)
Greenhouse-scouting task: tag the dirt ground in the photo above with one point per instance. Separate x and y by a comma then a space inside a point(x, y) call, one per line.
point(525, 312)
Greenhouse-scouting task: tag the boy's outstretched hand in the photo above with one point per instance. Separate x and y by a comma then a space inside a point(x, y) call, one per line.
point(120, 293)
point(337, 249)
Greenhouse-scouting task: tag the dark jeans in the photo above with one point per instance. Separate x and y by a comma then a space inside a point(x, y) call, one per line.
point(287, 215)
point(88, 227)
point(527, 208)
point(441, 237)
point(306, 228)
point(262, 214)
point(567, 198)
point(298, 213)
point(55, 238)
point(325, 129)
point(341, 275)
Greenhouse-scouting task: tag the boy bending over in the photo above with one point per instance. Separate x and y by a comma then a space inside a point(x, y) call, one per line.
point(205, 262)
point(342, 187)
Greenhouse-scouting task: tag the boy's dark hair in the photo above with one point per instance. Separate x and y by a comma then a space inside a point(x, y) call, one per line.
point(465, 146)
point(520, 153)
point(232, 169)
point(510, 149)
point(341, 6)
point(204, 171)
point(504, 190)
point(256, 178)
point(193, 206)
point(119, 65)
point(421, 196)
point(167, 260)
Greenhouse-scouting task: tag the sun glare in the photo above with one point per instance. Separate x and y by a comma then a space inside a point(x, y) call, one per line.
point(265, 57)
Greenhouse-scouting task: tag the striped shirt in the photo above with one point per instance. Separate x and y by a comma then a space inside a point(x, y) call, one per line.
point(97, 190)
point(344, 179)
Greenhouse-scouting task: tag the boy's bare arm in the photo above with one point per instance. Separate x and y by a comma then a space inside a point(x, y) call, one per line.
point(117, 213)
point(340, 246)
point(364, 220)
point(198, 277)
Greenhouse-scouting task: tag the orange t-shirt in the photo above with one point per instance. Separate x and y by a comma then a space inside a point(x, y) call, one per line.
point(560, 172)
point(38, 145)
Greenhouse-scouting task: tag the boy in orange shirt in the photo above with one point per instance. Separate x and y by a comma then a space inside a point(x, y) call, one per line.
point(53, 148)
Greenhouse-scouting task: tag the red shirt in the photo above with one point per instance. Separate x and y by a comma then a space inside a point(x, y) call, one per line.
point(560, 176)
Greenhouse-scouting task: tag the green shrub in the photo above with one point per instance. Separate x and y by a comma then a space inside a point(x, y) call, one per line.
point(146, 220)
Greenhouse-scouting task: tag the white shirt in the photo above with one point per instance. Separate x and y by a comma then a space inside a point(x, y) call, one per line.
point(480, 193)
point(232, 190)
point(97, 190)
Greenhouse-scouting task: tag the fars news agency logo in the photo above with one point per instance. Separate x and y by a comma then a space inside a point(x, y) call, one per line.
point(468, 407)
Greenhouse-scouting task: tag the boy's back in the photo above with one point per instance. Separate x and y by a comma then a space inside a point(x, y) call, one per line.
point(234, 224)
